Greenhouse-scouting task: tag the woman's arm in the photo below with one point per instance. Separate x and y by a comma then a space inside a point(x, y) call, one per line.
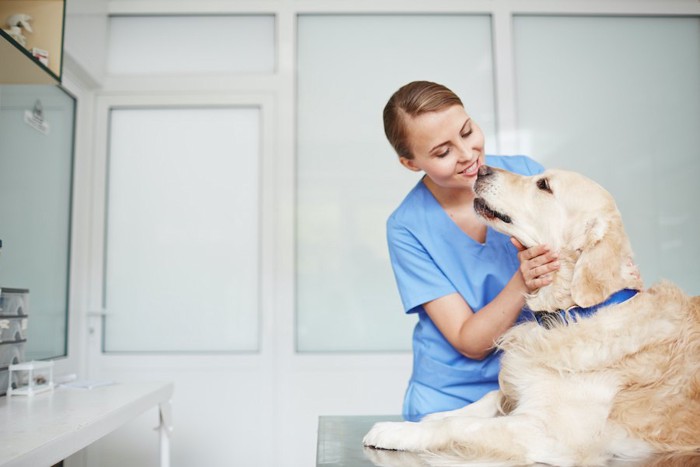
point(474, 334)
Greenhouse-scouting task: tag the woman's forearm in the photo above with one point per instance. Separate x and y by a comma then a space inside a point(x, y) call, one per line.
point(478, 334)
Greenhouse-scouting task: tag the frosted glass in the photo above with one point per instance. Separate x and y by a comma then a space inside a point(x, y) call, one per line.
point(618, 99)
point(348, 177)
point(182, 230)
point(191, 44)
point(36, 173)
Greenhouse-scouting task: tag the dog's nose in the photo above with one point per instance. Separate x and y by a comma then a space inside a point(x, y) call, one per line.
point(485, 171)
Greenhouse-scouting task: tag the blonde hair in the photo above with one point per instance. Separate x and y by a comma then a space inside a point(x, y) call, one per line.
point(413, 99)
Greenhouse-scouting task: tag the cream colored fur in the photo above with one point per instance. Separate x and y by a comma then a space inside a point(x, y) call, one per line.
point(622, 383)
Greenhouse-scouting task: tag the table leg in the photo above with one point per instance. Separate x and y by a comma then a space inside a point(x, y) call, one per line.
point(164, 429)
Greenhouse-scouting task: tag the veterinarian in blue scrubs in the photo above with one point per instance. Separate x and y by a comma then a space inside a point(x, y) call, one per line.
point(465, 281)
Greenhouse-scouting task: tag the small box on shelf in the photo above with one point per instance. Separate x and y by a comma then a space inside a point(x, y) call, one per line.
point(30, 378)
point(41, 55)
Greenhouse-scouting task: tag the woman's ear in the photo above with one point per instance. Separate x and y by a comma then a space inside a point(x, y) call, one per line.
point(410, 164)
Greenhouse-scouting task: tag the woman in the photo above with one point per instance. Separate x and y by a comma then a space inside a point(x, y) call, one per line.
point(465, 281)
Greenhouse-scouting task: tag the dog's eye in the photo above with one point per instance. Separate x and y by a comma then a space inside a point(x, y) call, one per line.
point(543, 184)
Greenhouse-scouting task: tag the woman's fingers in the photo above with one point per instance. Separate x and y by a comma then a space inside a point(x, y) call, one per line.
point(538, 283)
point(538, 254)
point(544, 270)
point(537, 265)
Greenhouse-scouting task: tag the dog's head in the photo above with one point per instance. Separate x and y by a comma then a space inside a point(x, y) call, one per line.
point(573, 215)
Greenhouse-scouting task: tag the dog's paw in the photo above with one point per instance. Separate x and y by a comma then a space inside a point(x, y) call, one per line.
point(398, 436)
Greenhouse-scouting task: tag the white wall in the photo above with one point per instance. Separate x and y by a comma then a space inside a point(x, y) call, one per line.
point(284, 391)
point(85, 36)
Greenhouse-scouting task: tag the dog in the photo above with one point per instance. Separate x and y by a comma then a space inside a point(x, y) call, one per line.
point(607, 370)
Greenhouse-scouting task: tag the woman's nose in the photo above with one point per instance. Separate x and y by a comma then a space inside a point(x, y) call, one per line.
point(466, 153)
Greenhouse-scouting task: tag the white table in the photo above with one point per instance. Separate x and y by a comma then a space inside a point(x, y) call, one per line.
point(47, 428)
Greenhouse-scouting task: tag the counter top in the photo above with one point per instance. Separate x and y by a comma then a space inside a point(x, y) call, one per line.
point(45, 428)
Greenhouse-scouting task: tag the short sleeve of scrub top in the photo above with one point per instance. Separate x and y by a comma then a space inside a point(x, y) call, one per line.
point(432, 257)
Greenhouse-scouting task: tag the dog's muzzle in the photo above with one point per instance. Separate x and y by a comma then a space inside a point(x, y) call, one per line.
point(483, 209)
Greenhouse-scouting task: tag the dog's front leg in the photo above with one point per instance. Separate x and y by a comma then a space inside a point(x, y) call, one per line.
point(425, 435)
point(506, 438)
point(486, 407)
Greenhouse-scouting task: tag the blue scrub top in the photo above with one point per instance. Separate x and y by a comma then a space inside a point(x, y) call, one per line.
point(432, 257)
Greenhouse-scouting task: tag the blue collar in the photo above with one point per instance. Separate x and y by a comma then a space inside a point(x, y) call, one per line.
point(573, 314)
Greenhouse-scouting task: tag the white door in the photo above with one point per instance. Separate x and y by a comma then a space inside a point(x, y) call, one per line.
point(179, 273)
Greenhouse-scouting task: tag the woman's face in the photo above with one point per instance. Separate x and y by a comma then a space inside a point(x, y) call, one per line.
point(447, 145)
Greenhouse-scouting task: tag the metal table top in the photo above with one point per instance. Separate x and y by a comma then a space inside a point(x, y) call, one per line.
point(340, 445)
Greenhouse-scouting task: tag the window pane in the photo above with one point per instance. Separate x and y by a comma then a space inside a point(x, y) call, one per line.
point(191, 44)
point(348, 178)
point(617, 99)
point(36, 176)
point(182, 230)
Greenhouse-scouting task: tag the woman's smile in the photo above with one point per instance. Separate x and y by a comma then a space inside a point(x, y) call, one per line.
point(472, 169)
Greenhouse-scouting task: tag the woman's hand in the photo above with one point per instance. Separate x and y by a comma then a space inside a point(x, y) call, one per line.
point(537, 264)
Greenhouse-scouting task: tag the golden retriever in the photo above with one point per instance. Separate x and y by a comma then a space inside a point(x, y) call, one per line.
point(597, 381)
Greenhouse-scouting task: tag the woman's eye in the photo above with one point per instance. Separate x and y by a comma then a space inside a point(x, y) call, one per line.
point(543, 184)
point(465, 135)
point(443, 154)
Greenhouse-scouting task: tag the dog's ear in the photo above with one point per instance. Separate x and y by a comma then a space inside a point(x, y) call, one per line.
point(597, 271)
